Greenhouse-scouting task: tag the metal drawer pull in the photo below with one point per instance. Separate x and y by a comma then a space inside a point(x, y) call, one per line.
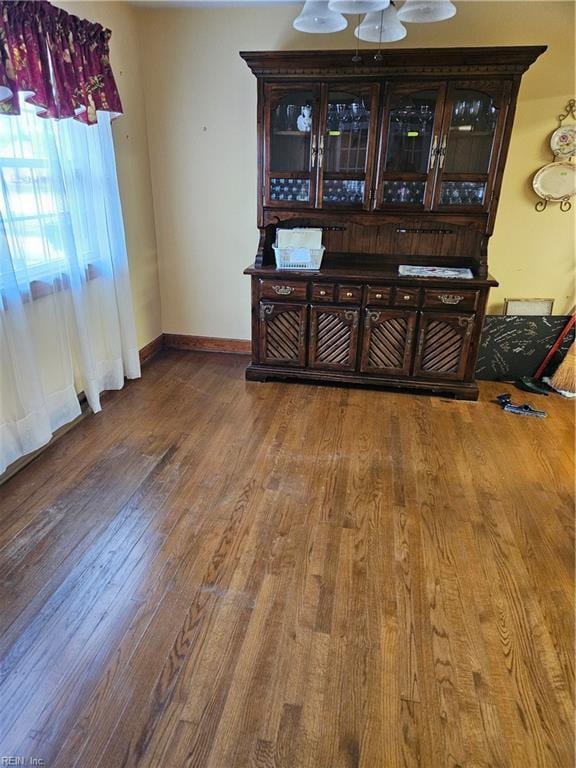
point(349, 294)
point(378, 295)
point(450, 298)
point(406, 297)
point(283, 290)
point(322, 293)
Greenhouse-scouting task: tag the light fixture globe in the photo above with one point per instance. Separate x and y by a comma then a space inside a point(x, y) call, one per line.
point(422, 11)
point(381, 27)
point(316, 18)
point(357, 6)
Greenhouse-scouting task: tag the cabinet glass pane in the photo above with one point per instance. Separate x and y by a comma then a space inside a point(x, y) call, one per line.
point(338, 192)
point(346, 132)
point(406, 192)
point(462, 193)
point(410, 129)
point(293, 190)
point(471, 134)
point(290, 132)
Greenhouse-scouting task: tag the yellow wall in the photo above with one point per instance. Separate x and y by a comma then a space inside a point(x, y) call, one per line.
point(201, 109)
point(131, 145)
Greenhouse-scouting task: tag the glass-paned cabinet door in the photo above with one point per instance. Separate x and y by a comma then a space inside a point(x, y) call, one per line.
point(346, 146)
point(290, 152)
point(467, 151)
point(411, 130)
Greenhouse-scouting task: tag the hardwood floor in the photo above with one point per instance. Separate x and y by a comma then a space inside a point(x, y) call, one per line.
point(217, 574)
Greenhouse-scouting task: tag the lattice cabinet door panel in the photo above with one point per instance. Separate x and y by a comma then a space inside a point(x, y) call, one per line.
point(387, 341)
point(443, 343)
point(333, 338)
point(283, 334)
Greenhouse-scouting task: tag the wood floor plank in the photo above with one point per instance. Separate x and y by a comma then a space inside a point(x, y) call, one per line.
point(220, 574)
point(123, 553)
point(56, 468)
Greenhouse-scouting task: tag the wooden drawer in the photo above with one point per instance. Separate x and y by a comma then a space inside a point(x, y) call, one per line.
point(287, 290)
point(378, 295)
point(349, 294)
point(406, 297)
point(322, 292)
point(443, 299)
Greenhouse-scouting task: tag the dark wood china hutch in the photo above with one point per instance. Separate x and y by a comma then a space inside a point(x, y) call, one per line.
point(400, 162)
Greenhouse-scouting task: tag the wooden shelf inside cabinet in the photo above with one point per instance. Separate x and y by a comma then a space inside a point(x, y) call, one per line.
point(356, 320)
point(461, 132)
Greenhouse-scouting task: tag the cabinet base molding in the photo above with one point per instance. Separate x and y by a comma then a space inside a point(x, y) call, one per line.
point(207, 344)
point(456, 389)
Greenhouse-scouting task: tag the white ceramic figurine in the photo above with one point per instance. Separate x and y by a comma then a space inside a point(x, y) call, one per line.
point(304, 121)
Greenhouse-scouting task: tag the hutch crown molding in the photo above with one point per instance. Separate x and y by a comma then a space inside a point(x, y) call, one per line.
point(399, 159)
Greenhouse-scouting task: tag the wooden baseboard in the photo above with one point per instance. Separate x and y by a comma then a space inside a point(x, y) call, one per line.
point(151, 349)
point(207, 344)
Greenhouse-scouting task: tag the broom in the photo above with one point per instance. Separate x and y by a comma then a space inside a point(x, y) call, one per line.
point(564, 379)
point(533, 383)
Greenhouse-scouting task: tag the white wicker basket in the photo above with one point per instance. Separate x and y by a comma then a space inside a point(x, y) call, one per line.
point(298, 258)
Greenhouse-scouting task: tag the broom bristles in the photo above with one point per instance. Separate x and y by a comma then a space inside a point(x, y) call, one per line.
point(565, 377)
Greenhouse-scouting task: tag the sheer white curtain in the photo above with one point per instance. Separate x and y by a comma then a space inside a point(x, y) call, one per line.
point(66, 321)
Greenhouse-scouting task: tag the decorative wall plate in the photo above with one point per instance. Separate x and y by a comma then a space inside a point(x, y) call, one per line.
point(555, 181)
point(563, 141)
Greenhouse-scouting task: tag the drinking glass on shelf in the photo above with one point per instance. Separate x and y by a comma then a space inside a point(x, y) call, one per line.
point(425, 115)
point(357, 115)
point(489, 115)
point(474, 110)
point(341, 112)
point(332, 121)
point(458, 112)
point(280, 117)
point(347, 117)
point(292, 112)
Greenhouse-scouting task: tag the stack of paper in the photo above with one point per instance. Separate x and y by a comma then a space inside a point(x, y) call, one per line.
point(299, 238)
point(462, 273)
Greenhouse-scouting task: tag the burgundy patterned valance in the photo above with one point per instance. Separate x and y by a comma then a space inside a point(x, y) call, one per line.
point(60, 60)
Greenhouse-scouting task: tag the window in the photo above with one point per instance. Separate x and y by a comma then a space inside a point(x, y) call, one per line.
point(42, 163)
